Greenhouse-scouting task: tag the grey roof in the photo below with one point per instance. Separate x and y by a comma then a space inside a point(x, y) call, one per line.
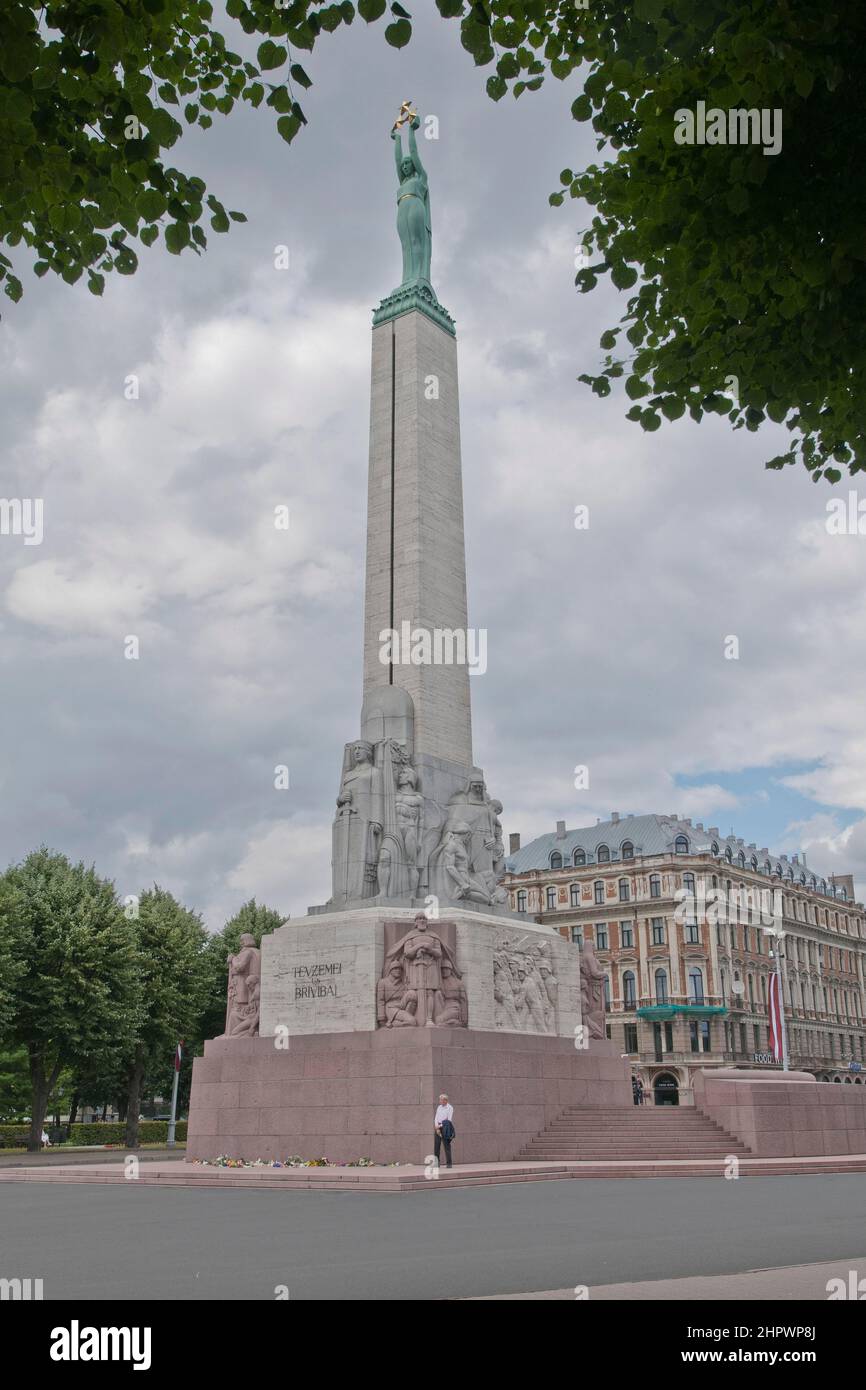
point(654, 835)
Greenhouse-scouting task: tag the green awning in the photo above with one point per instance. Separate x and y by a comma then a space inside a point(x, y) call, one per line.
point(659, 1013)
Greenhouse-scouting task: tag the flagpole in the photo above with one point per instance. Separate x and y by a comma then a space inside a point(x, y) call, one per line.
point(173, 1118)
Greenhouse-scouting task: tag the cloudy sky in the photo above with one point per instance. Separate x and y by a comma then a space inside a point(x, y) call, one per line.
point(606, 645)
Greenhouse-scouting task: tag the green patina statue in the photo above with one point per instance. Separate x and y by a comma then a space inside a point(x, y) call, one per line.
point(413, 209)
point(414, 229)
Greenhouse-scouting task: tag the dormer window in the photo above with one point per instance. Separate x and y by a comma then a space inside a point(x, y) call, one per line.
point(681, 845)
point(556, 860)
point(628, 850)
point(579, 858)
point(603, 854)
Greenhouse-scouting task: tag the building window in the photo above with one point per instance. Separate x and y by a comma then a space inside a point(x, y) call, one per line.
point(556, 860)
point(692, 933)
point(623, 890)
point(696, 985)
point(693, 1037)
point(579, 858)
point(603, 854)
point(630, 1037)
point(577, 936)
point(658, 931)
point(598, 889)
point(601, 936)
point(689, 884)
point(655, 886)
point(661, 982)
point(551, 899)
point(626, 934)
point(607, 992)
point(681, 845)
point(574, 893)
point(629, 997)
point(627, 850)
point(521, 900)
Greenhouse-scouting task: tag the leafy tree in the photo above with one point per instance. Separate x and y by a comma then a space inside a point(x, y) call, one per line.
point(254, 918)
point(748, 269)
point(15, 1088)
point(170, 942)
point(76, 986)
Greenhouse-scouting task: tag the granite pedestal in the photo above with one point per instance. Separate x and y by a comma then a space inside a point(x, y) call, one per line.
point(373, 1094)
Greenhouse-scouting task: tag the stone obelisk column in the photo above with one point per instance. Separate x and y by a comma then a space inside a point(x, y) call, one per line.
point(416, 567)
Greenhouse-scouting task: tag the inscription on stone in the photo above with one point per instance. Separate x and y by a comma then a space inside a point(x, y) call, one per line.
point(317, 981)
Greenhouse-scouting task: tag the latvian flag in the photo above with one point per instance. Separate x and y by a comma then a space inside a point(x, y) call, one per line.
point(775, 1007)
point(178, 1056)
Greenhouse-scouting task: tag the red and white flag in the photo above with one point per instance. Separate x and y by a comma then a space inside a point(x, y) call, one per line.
point(178, 1056)
point(775, 1008)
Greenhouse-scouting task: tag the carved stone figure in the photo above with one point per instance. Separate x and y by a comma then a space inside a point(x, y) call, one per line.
point(395, 1004)
point(420, 982)
point(454, 1012)
point(409, 806)
point(591, 991)
point(245, 970)
point(524, 986)
point(357, 830)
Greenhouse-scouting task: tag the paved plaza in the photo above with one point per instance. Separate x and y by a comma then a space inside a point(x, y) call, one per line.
point(105, 1241)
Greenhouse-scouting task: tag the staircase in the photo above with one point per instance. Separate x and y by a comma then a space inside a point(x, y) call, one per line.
point(638, 1132)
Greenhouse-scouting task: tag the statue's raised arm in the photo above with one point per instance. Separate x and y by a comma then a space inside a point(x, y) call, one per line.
point(413, 148)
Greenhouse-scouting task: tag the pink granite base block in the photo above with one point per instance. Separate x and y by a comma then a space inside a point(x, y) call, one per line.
point(373, 1095)
point(783, 1114)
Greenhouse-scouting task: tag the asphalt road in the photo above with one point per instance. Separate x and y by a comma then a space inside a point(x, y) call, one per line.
point(100, 1242)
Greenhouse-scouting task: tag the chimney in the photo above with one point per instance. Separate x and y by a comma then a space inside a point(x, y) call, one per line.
point(700, 825)
point(560, 830)
point(795, 859)
point(673, 816)
point(687, 820)
point(713, 830)
point(614, 815)
point(513, 843)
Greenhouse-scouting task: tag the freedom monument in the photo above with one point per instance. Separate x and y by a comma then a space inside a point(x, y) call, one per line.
point(414, 978)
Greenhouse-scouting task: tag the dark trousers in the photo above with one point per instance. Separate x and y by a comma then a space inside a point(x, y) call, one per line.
point(439, 1143)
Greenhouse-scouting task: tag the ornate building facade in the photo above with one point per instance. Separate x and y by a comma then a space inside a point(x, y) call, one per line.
point(686, 924)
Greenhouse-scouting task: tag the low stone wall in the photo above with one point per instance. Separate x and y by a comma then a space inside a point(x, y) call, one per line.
point(374, 1094)
point(784, 1114)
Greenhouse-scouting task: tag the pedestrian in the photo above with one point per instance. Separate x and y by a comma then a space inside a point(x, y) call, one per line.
point(639, 1091)
point(443, 1129)
point(635, 1094)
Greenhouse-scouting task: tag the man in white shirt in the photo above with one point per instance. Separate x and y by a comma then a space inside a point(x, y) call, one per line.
point(444, 1116)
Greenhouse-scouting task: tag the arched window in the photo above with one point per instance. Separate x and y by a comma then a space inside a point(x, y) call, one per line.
point(627, 850)
point(661, 982)
point(764, 990)
point(574, 893)
point(681, 845)
point(556, 860)
point(629, 997)
point(689, 883)
point(521, 900)
point(551, 899)
point(623, 890)
point(579, 857)
point(603, 854)
point(598, 890)
point(655, 886)
point(696, 985)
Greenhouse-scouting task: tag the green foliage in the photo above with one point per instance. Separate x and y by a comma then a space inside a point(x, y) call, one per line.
point(149, 1132)
point(744, 265)
point(93, 96)
point(14, 1084)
